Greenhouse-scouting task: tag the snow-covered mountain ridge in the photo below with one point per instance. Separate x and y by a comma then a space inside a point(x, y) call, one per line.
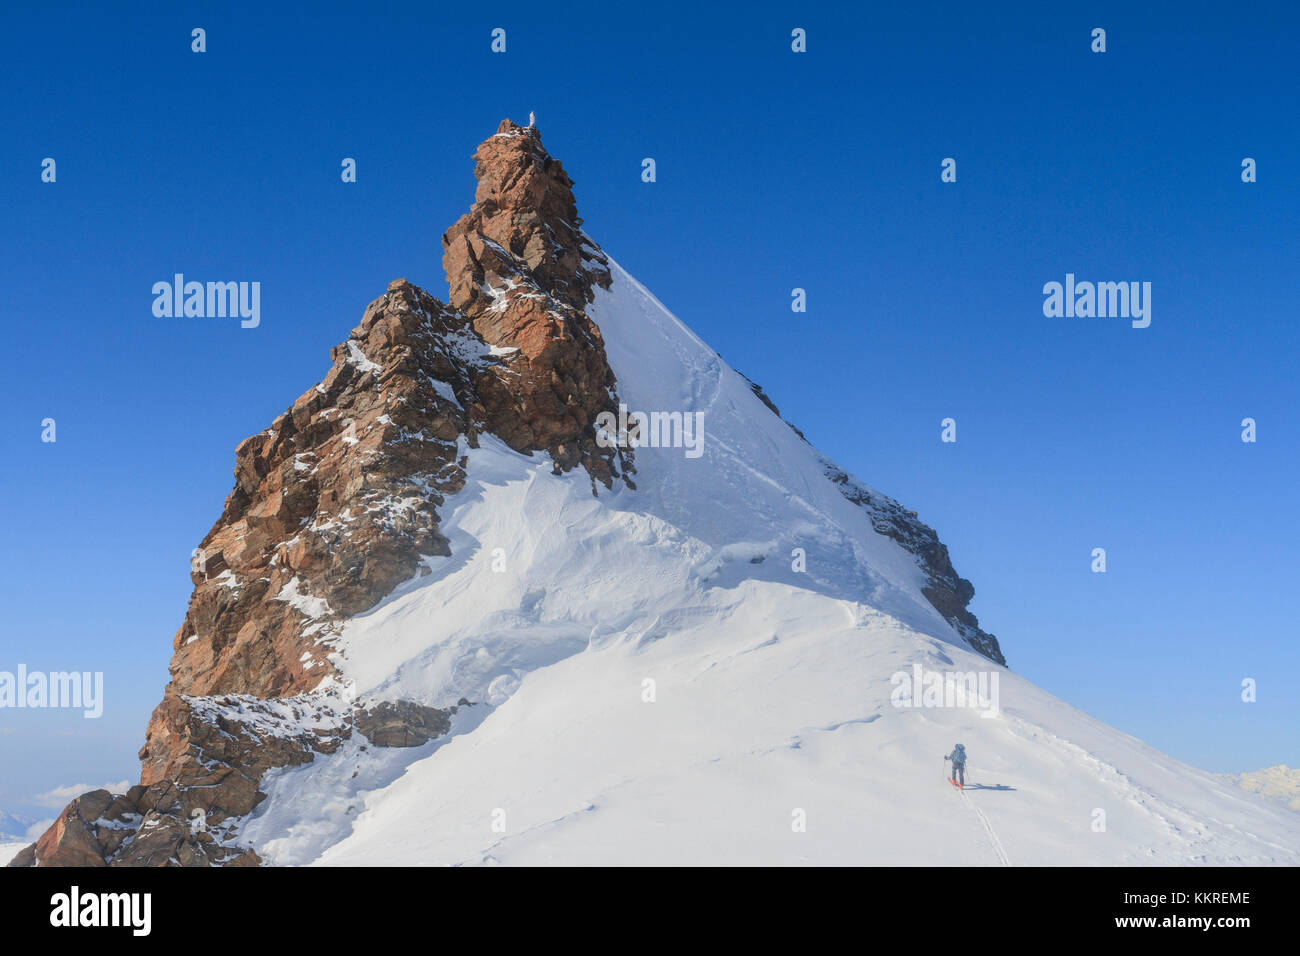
point(443, 620)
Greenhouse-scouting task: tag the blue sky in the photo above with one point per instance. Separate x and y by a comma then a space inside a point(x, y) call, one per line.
point(775, 170)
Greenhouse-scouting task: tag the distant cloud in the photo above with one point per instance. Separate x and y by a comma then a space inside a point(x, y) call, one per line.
point(60, 796)
point(35, 831)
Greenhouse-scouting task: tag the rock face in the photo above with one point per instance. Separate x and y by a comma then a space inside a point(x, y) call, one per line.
point(209, 756)
point(521, 269)
point(336, 504)
point(335, 501)
point(404, 724)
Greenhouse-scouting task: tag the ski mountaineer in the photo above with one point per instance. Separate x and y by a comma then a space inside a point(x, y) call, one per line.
point(958, 758)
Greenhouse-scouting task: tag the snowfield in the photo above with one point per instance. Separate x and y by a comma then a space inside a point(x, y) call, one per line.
point(656, 683)
point(10, 850)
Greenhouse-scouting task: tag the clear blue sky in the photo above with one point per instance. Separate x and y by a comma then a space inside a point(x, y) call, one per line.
point(775, 170)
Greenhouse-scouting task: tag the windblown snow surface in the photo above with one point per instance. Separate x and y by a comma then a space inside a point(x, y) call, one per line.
point(771, 688)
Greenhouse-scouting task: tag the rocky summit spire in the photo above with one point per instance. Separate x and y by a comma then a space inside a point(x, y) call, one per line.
point(521, 269)
point(336, 503)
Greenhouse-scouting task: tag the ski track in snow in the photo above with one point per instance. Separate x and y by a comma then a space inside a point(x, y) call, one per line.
point(998, 850)
point(1175, 818)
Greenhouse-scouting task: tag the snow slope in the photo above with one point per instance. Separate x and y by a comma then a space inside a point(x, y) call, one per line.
point(657, 684)
point(10, 850)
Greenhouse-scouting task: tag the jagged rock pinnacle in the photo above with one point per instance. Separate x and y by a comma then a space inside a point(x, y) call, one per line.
point(520, 268)
point(336, 503)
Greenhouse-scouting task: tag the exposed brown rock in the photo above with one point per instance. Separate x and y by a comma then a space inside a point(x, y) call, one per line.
point(336, 503)
point(403, 723)
point(73, 838)
point(520, 267)
point(202, 769)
